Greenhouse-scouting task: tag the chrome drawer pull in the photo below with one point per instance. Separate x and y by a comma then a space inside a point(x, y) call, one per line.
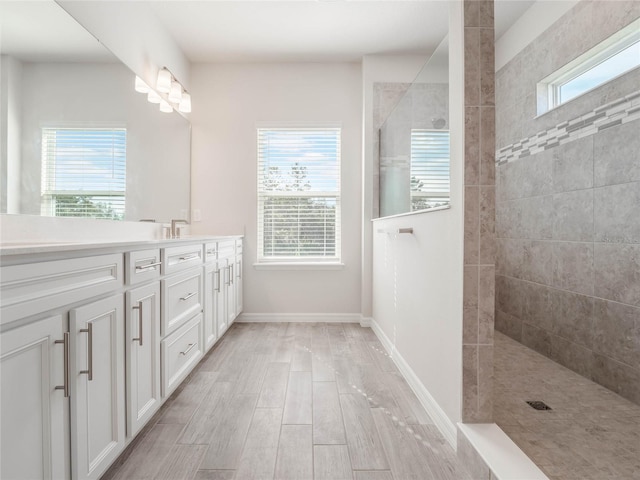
point(211, 252)
point(217, 289)
point(239, 269)
point(188, 296)
point(150, 266)
point(189, 257)
point(139, 308)
point(65, 342)
point(89, 331)
point(191, 345)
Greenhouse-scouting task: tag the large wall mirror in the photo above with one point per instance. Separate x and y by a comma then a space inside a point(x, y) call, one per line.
point(76, 139)
point(413, 149)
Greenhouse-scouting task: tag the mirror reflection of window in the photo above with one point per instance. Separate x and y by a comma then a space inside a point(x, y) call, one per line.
point(430, 177)
point(84, 172)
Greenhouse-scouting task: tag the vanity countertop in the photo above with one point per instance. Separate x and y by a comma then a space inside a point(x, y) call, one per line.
point(8, 250)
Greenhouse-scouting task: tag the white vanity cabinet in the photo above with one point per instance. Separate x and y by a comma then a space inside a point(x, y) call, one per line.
point(34, 423)
point(97, 386)
point(87, 358)
point(238, 278)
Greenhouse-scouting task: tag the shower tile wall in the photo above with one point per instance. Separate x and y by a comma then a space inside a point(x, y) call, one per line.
point(568, 216)
point(479, 212)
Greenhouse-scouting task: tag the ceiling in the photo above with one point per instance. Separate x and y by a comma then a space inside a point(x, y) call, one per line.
point(251, 31)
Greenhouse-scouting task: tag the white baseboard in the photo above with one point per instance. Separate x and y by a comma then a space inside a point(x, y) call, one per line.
point(300, 317)
point(365, 321)
point(440, 419)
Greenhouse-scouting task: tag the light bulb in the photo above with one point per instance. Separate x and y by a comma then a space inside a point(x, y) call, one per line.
point(185, 103)
point(153, 97)
point(141, 86)
point(165, 107)
point(164, 81)
point(175, 95)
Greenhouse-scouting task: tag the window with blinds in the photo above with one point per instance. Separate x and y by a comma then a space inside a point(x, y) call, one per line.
point(298, 194)
point(430, 184)
point(84, 172)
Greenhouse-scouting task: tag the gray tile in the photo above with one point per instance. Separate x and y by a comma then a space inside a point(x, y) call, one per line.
point(537, 339)
point(573, 317)
point(509, 325)
point(537, 261)
point(469, 383)
point(487, 58)
point(328, 425)
point(365, 448)
point(471, 66)
point(530, 176)
point(487, 221)
point(181, 462)
point(573, 216)
point(573, 165)
point(487, 136)
point(486, 304)
point(620, 378)
point(617, 332)
point(471, 459)
point(208, 414)
point(214, 475)
point(616, 158)
point(274, 386)
point(298, 400)
point(485, 384)
point(331, 462)
point(571, 355)
point(260, 450)
point(538, 308)
point(617, 272)
point(372, 475)
point(471, 225)
point(295, 453)
point(617, 213)
point(573, 267)
point(472, 146)
point(509, 295)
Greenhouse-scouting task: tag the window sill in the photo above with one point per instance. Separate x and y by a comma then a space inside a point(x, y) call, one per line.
point(298, 266)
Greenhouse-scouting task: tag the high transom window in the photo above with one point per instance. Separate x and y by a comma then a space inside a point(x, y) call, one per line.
point(299, 194)
point(84, 172)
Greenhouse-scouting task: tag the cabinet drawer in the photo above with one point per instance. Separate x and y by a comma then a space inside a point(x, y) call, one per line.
point(226, 248)
point(34, 288)
point(142, 266)
point(211, 252)
point(181, 299)
point(238, 247)
point(180, 352)
point(176, 259)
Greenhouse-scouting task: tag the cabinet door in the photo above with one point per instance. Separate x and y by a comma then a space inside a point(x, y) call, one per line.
point(142, 355)
point(239, 285)
point(210, 297)
point(34, 426)
point(97, 393)
point(221, 297)
point(231, 292)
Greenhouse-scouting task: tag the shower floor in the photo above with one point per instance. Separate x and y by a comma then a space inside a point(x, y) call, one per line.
point(589, 433)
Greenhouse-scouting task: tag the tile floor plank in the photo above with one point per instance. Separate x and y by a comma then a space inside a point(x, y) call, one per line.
point(301, 359)
point(227, 438)
point(187, 401)
point(328, 426)
point(365, 447)
point(331, 462)
point(295, 453)
point(258, 458)
point(299, 399)
point(209, 414)
point(181, 463)
point(372, 475)
point(214, 475)
point(274, 386)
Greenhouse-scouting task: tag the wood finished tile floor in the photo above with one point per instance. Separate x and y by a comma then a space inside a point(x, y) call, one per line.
point(590, 433)
point(294, 401)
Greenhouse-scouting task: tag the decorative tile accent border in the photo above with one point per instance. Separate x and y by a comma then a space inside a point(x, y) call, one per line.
point(623, 110)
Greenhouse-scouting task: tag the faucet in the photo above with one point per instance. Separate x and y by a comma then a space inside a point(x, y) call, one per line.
point(175, 232)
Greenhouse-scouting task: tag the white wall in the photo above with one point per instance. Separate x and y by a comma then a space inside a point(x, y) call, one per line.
point(376, 68)
point(134, 34)
point(10, 132)
point(231, 98)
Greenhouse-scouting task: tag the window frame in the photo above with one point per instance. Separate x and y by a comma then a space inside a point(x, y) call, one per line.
point(48, 195)
point(548, 89)
point(308, 261)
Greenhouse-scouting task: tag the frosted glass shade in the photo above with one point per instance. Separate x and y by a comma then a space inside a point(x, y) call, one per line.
point(164, 81)
point(185, 103)
point(153, 97)
point(175, 95)
point(165, 107)
point(141, 86)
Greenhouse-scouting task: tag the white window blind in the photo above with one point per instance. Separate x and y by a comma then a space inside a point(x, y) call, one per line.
point(84, 172)
point(298, 194)
point(430, 182)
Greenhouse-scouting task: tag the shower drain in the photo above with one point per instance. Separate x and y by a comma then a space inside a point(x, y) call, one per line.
point(538, 405)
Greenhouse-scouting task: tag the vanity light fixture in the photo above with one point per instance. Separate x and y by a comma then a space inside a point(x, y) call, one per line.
point(169, 92)
point(185, 103)
point(164, 81)
point(165, 106)
point(153, 97)
point(175, 95)
point(141, 86)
